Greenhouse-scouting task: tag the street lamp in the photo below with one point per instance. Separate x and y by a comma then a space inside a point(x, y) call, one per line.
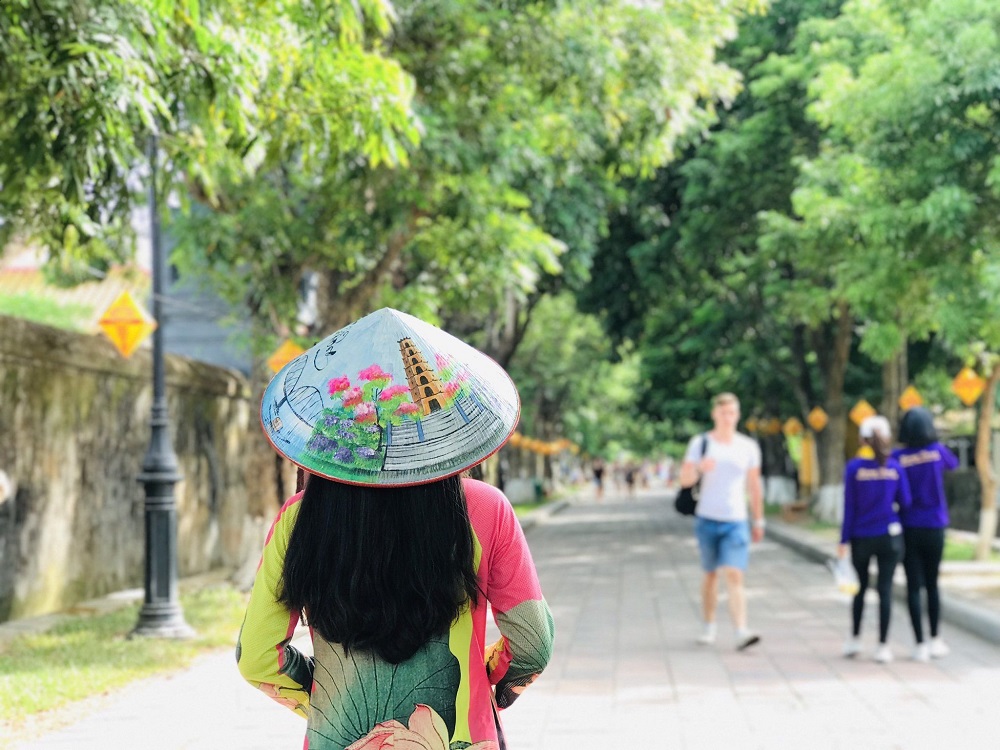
point(161, 614)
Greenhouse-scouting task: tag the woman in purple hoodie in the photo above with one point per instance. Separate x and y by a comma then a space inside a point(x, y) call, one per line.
point(924, 460)
point(875, 491)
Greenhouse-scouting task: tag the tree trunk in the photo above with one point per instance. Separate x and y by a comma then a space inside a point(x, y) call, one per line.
point(830, 502)
point(984, 466)
point(895, 376)
point(506, 329)
point(343, 298)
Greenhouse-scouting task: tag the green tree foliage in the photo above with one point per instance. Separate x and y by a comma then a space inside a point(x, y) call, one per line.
point(87, 81)
point(681, 269)
point(531, 115)
point(570, 389)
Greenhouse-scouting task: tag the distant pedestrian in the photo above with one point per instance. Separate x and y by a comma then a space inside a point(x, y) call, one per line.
point(630, 478)
point(874, 487)
point(598, 469)
point(728, 468)
point(924, 460)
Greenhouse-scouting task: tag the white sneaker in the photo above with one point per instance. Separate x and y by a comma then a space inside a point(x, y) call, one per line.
point(922, 653)
point(746, 639)
point(939, 648)
point(707, 637)
point(852, 647)
point(883, 654)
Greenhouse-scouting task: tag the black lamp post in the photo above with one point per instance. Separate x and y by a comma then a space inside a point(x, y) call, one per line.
point(161, 614)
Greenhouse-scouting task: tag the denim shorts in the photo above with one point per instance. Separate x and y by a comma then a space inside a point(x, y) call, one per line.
point(723, 544)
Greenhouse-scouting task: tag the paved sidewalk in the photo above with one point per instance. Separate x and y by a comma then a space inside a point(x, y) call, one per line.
point(622, 579)
point(970, 591)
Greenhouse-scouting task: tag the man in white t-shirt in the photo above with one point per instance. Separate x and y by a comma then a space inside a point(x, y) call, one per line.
point(728, 469)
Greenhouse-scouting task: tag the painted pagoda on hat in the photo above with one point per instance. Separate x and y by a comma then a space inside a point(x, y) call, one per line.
point(389, 400)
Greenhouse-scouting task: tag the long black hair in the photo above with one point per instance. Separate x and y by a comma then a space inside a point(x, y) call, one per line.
point(917, 428)
point(380, 569)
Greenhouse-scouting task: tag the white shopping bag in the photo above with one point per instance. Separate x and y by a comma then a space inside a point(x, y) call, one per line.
point(844, 575)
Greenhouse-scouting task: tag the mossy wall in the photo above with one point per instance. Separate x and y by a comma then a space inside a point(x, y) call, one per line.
point(74, 428)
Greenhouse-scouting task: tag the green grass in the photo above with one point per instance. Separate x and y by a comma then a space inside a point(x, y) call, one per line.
point(46, 311)
point(87, 655)
point(959, 551)
point(523, 509)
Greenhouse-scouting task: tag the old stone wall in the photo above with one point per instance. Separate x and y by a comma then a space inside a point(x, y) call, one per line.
point(74, 428)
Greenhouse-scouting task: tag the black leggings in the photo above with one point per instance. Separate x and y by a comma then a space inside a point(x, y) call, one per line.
point(924, 548)
point(887, 550)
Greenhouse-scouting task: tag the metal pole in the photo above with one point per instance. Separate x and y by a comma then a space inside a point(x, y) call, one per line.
point(161, 614)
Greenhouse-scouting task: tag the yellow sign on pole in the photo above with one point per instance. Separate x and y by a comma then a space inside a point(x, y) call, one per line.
point(910, 398)
point(792, 426)
point(861, 411)
point(968, 386)
point(127, 324)
point(283, 355)
point(751, 424)
point(818, 419)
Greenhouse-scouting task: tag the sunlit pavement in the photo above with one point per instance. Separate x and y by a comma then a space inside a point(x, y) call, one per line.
point(622, 580)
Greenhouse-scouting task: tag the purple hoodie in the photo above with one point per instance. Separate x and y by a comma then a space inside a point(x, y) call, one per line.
point(925, 468)
point(870, 494)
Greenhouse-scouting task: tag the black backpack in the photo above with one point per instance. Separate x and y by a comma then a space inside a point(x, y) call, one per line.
point(687, 499)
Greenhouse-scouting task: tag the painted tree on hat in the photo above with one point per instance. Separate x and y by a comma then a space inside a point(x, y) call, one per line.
point(454, 379)
point(352, 431)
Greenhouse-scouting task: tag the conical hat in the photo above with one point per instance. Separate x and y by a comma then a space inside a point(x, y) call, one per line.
point(389, 400)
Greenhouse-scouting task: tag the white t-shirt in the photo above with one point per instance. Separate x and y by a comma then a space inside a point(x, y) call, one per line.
point(723, 489)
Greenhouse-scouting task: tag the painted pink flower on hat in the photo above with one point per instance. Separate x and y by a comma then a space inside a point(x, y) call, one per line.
point(364, 412)
point(337, 385)
point(374, 373)
point(450, 389)
point(407, 408)
point(392, 392)
point(352, 397)
point(426, 731)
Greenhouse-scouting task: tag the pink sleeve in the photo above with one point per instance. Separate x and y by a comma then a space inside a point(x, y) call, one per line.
point(519, 610)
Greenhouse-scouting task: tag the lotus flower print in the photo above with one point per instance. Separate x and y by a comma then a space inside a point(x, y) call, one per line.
point(426, 731)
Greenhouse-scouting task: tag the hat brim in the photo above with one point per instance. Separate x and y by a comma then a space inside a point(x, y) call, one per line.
point(353, 408)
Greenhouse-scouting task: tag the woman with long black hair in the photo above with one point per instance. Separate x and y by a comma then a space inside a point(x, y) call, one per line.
point(389, 554)
point(875, 490)
point(925, 460)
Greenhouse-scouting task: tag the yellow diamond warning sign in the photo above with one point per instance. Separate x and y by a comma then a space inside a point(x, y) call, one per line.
point(127, 324)
point(792, 426)
point(817, 419)
point(968, 386)
point(861, 411)
point(910, 398)
point(283, 355)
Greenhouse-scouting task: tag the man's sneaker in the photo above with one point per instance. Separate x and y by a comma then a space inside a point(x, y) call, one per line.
point(852, 647)
point(922, 652)
point(707, 637)
point(883, 654)
point(746, 640)
point(939, 648)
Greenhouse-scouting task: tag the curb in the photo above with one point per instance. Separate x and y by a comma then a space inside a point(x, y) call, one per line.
point(955, 611)
point(537, 516)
